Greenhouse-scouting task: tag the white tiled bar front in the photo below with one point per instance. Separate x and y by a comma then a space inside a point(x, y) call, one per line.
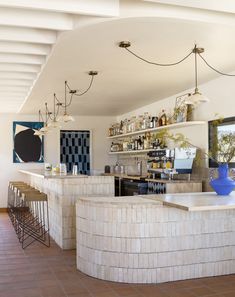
point(140, 240)
point(63, 192)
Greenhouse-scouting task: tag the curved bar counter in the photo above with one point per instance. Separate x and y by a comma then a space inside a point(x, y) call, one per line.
point(156, 238)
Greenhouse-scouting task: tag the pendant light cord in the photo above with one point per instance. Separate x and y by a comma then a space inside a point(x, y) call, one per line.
point(213, 68)
point(84, 92)
point(53, 115)
point(158, 64)
point(178, 62)
point(195, 60)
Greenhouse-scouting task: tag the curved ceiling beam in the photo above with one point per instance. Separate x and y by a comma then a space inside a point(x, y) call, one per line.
point(222, 6)
point(8, 33)
point(24, 48)
point(132, 8)
point(87, 7)
point(36, 19)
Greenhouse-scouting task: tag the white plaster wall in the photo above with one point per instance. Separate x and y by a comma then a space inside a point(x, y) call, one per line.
point(9, 171)
point(99, 142)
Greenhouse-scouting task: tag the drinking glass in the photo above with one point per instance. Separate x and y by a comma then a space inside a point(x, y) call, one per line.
point(75, 170)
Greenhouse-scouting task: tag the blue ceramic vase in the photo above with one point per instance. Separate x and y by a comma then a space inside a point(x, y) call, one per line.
point(223, 185)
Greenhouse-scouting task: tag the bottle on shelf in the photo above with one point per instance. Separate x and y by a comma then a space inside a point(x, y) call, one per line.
point(169, 164)
point(124, 129)
point(133, 121)
point(146, 121)
point(145, 142)
point(156, 124)
point(162, 119)
point(120, 128)
point(152, 122)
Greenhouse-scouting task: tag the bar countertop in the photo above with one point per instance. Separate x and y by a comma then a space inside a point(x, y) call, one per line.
point(185, 201)
point(197, 201)
point(50, 174)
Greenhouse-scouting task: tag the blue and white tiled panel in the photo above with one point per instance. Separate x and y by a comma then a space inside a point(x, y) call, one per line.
point(75, 150)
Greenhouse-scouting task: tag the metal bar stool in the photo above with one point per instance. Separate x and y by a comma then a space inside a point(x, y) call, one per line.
point(35, 226)
point(28, 211)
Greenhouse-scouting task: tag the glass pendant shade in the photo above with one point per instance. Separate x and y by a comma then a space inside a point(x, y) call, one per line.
point(198, 98)
point(44, 129)
point(66, 118)
point(39, 133)
point(54, 124)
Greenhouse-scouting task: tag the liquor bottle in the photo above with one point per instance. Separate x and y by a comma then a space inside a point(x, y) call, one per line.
point(145, 143)
point(125, 126)
point(168, 163)
point(156, 124)
point(139, 143)
point(121, 128)
point(162, 119)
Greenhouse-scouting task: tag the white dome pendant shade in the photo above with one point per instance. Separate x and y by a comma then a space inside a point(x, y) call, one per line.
point(196, 98)
point(66, 118)
point(39, 133)
point(54, 124)
point(199, 97)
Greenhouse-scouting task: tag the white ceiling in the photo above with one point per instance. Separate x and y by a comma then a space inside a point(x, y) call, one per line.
point(157, 32)
point(28, 31)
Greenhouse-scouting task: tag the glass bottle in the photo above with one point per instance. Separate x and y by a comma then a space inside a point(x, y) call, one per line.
point(162, 119)
point(124, 126)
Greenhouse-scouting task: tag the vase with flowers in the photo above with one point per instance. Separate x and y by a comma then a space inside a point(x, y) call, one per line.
point(223, 152)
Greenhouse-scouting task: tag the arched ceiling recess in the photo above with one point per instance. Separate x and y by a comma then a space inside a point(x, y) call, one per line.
point(84, 36)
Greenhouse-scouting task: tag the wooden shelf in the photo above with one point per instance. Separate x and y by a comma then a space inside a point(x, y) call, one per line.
point(172, 126)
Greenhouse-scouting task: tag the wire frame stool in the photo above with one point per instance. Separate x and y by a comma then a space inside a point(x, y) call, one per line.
point(28, 211)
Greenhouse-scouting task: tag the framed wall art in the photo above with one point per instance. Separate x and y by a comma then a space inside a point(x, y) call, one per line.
point(27, 147)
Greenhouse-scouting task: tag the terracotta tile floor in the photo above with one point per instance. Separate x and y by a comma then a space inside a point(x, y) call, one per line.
point(39, 271)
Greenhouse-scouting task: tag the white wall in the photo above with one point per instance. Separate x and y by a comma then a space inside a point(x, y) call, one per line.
point(100, 144)
point(9, 171)
point(222, 101)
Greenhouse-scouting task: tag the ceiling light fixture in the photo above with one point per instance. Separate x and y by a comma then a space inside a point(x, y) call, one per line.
point(45, 127)
point(196, 97)
point(65, 118)
point(39, 132)
point(52, 119)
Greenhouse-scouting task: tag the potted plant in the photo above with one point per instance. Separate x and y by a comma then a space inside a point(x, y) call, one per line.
point(222, 153)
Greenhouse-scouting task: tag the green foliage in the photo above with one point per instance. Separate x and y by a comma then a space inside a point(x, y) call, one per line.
point(223, 150)
point(225, 147)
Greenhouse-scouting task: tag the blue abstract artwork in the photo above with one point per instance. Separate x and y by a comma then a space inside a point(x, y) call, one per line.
point(27, 146)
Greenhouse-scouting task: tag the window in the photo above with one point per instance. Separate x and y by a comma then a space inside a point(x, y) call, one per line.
point(227, 125)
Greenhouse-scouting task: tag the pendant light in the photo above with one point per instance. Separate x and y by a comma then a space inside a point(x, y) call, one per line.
point(196, 97)
point(45, 127)
point(39, 132)
point(51, 118)
point(54, 121)
point(65, 118)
